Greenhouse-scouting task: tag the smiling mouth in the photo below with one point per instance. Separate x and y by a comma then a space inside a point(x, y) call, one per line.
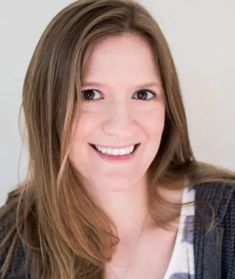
point(96, 149)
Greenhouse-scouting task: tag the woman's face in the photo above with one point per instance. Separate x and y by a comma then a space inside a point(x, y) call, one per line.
point(122, 106)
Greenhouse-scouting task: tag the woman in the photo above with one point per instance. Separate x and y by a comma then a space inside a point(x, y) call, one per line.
point(110, 160)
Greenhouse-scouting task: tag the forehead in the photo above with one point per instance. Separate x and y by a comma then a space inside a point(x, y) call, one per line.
point(119, 55)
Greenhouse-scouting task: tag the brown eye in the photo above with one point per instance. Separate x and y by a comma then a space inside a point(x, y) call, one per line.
point(91, 94)
point(144, 94)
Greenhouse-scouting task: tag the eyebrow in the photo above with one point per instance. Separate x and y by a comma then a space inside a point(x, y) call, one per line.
point(143, 85)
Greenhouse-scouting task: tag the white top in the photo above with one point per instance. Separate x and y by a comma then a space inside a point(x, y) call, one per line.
point(181, 264)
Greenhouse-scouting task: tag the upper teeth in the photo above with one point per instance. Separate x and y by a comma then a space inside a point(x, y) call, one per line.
point(115, 151)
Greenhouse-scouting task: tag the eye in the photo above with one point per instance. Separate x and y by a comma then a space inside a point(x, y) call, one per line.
point(91, 94)
point(144, 94)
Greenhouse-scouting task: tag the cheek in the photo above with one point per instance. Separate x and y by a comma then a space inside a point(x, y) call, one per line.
point(81, 133)
point(153, 123)
point(84, 127)
point(154, 126)
point(81, 130)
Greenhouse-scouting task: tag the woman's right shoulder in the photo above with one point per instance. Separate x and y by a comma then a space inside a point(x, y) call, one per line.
point(11, 248)
point(8, 214)
point(7, 219)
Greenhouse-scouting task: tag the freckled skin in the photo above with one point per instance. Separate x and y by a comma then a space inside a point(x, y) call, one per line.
point(120, 64)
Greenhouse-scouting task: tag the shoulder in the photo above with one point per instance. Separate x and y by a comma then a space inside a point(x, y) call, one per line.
point(219, 194)
point(7, 217)
point(7, 221)
point(214, 187)
point(214, 245)
point(10, 243)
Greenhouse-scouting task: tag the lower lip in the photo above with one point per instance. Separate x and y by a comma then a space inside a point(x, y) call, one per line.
point(117, 158)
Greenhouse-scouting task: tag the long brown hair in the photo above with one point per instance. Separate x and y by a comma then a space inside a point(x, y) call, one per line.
point(65, 234)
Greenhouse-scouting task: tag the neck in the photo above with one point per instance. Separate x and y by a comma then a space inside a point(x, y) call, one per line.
point(128, 209)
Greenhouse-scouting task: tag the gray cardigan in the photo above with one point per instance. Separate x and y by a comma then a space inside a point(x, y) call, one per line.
point(214, 248)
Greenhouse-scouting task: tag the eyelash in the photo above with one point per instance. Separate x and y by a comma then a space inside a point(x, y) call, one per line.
point(139, 91)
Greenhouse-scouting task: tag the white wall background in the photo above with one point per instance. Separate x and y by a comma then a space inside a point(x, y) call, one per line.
point(201, 36)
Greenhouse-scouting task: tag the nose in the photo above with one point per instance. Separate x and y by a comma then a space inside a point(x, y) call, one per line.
point(119, 120)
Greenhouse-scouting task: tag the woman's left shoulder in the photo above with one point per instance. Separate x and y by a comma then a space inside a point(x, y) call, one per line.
point(215, 244)
point(220, 195)
point(210, 189)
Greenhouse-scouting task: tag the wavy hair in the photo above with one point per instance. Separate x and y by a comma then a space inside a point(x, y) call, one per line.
point(65, 234)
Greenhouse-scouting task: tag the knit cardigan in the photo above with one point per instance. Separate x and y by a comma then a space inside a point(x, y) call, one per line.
point(214, 247)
